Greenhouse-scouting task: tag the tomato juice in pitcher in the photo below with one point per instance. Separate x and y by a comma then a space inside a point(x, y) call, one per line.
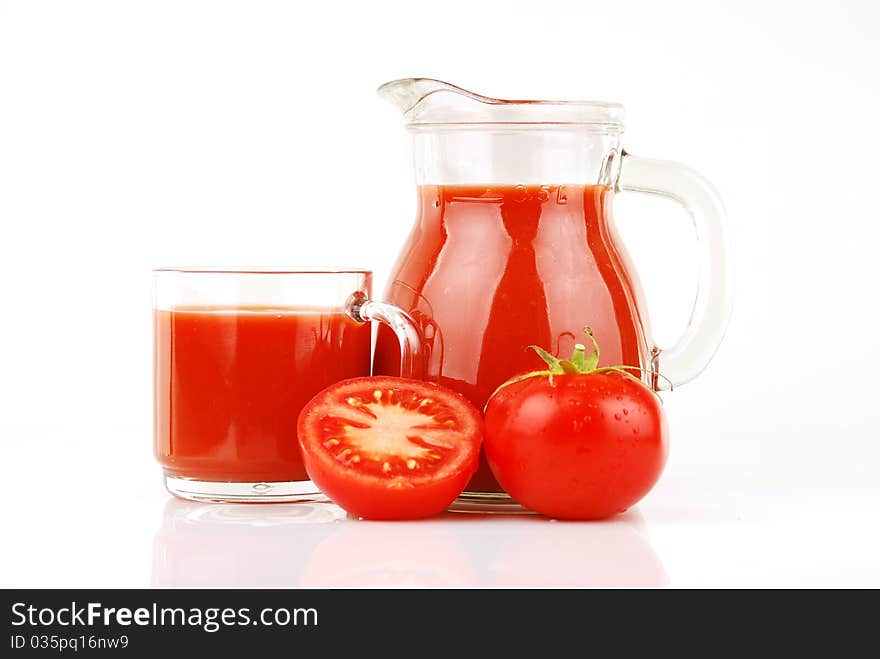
point(514, 244)
point(490, 270)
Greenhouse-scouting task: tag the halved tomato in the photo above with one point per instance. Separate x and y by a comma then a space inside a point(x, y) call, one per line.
point(390, 448)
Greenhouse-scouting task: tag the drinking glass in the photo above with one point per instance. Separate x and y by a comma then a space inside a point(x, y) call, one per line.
point(237, 354)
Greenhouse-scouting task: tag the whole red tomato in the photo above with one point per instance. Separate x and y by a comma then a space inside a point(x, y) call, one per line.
point(576, 441)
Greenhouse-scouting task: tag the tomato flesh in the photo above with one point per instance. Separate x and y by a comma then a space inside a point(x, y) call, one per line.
point(583, 446)
point(390, 448)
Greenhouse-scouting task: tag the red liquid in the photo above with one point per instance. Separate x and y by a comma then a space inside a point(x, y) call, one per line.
point(231, 383)
point(488, 271)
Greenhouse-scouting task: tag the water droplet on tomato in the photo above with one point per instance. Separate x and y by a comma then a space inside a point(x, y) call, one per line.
point(625, 411)
point(617, 417)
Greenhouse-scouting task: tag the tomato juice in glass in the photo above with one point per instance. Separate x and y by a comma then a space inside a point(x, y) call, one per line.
point(231, 382)
point(237, 356)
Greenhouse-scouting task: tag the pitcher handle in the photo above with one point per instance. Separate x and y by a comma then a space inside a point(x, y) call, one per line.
point(361, 309)
point(687, 358)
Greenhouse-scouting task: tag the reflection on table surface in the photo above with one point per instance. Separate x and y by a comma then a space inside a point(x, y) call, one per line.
point(316, 545)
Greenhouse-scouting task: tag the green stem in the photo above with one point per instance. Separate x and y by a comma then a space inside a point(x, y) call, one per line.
point(577, 357)
point(591, 362)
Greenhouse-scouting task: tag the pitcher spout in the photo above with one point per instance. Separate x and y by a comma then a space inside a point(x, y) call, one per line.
point(415, 97)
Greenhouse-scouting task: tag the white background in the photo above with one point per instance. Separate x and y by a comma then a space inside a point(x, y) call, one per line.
point(136, 134)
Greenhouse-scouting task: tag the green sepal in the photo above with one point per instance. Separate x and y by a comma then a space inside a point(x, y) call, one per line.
point(579, 364)
point(552, 362)
point(514, 380)
point(569, 367)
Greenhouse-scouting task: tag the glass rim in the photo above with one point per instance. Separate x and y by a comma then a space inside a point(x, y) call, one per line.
point(606, 127)
point(430, 103)
point(258, 270)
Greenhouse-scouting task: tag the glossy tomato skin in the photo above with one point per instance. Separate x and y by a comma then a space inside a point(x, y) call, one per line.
point(584, 446)
point(419, 493)
point(392, 501)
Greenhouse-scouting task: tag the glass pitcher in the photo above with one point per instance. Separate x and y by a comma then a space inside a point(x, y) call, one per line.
point(514, 245)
